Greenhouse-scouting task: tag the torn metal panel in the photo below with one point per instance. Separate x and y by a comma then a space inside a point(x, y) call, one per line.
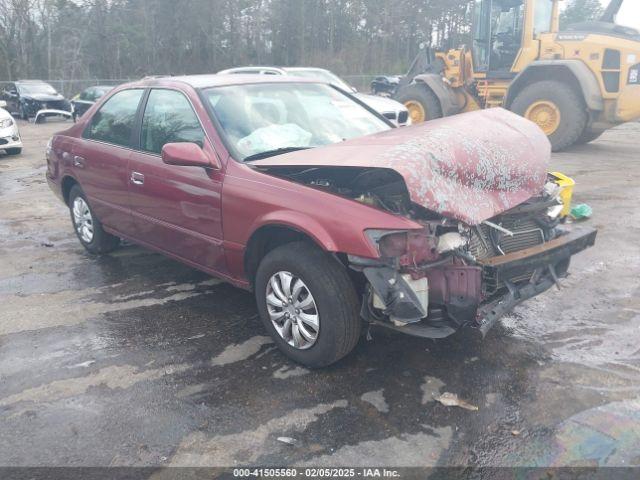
point(470, 167)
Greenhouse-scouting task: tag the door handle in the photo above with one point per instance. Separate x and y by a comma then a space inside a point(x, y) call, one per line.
point(78, 161)
point(137, 178)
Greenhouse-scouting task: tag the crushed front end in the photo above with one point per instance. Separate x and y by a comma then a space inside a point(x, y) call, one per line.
point(430, 283)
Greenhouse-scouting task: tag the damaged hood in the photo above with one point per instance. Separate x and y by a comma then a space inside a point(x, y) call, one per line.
point(470, 167)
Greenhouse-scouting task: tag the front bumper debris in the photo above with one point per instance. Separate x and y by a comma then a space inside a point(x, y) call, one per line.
point(50, 112)
point(544, 259)
point(541, 266)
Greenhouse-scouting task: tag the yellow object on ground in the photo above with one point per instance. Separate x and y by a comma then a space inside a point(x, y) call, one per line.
point(566, 184)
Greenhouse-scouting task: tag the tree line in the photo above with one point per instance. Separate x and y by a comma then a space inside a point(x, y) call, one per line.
point(71, 39)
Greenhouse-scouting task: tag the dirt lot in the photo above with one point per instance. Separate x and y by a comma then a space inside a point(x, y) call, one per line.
point(134, 359)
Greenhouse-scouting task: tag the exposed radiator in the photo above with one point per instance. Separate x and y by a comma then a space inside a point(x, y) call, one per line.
point(527, 233)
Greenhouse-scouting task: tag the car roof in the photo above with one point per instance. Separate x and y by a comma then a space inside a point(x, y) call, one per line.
point(31, 81)
point(213, 80)
point(273, 68)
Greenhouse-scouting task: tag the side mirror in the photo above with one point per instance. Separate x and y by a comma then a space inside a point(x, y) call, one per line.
point(3, 104)
point(188, 154)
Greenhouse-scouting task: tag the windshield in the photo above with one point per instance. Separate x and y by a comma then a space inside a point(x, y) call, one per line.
point(323, 75)
point(268, 117)
point(36, 88)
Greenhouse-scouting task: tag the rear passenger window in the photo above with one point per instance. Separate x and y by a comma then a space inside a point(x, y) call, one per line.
point(114, 122)
point(169, 118)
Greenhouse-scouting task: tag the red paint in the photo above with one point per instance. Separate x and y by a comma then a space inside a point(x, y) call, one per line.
point(470, 167)
point(206, 216)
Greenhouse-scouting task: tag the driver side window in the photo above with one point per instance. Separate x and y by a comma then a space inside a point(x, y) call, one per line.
point(169, 118)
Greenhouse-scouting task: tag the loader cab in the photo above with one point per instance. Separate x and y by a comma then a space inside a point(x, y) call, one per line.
point(502, 28)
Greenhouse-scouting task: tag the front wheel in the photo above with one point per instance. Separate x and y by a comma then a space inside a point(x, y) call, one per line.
point(87, 227)
point(308, 304)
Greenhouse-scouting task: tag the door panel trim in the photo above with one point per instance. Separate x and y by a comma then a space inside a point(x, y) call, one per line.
point(245, 285)
point(214, 241)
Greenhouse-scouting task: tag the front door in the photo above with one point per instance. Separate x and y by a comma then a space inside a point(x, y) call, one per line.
point(10, 95)
point(175, 208)
point(101, 159)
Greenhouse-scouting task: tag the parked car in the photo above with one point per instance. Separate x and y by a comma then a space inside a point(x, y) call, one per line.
point(394, 111)
point(85, 99)
point(332, 217)
point(34, 99)
point(10, 140)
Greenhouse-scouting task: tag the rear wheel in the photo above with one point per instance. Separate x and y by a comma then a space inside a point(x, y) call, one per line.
point(556, 108)
point(308, 304)
point(421, 102)
point(87, 227)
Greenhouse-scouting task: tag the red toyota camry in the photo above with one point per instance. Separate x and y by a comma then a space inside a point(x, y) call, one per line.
point(298, 191)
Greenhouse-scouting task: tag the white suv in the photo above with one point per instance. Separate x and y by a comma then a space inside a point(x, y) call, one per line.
point(390, 109)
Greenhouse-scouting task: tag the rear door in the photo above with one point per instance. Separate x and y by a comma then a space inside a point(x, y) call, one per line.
point(101, 159)
point(175, 208)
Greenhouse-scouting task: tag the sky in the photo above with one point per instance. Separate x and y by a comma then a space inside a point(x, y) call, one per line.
point(629, 13)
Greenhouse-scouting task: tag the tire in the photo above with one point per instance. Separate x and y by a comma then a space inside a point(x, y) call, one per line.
point(23, 113)
point(573, 116)
point(13, 151)
point(418, 94)
point(100, 241)
point(335, 300)
point(588, 136)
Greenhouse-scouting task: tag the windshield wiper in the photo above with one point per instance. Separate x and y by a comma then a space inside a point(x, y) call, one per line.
point(271, 153)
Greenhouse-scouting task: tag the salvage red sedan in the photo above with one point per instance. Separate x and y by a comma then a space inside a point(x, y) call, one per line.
point(335, 219)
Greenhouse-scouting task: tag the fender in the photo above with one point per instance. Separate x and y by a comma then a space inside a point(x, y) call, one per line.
point(576, 68)
point(299, 222)
point(444, 92)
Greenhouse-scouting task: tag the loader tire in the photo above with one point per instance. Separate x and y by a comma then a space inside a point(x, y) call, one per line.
point(421, 102)
point(588, 136)
point(556, 108)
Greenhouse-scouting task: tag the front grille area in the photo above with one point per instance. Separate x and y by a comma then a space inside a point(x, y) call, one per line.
point(488, 242)
point(390, 115)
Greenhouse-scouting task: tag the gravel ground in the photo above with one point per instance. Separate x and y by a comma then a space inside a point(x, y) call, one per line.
point(134, 359)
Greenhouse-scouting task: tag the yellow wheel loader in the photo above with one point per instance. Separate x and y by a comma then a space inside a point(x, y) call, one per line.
point(574, 84)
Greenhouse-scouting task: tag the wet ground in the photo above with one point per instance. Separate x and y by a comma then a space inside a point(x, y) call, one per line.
point(134, 359)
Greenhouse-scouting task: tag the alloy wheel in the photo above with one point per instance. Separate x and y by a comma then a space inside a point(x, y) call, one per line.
point(82, 219)
point(292, 310)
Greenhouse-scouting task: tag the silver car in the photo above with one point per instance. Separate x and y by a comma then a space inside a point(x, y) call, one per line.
point(392, 110)
point(10, 140)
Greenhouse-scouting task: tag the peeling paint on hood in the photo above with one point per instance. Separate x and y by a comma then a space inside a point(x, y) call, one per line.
point(470, 167)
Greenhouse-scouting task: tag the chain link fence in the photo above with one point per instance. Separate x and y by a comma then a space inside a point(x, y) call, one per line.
point(71, 87)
